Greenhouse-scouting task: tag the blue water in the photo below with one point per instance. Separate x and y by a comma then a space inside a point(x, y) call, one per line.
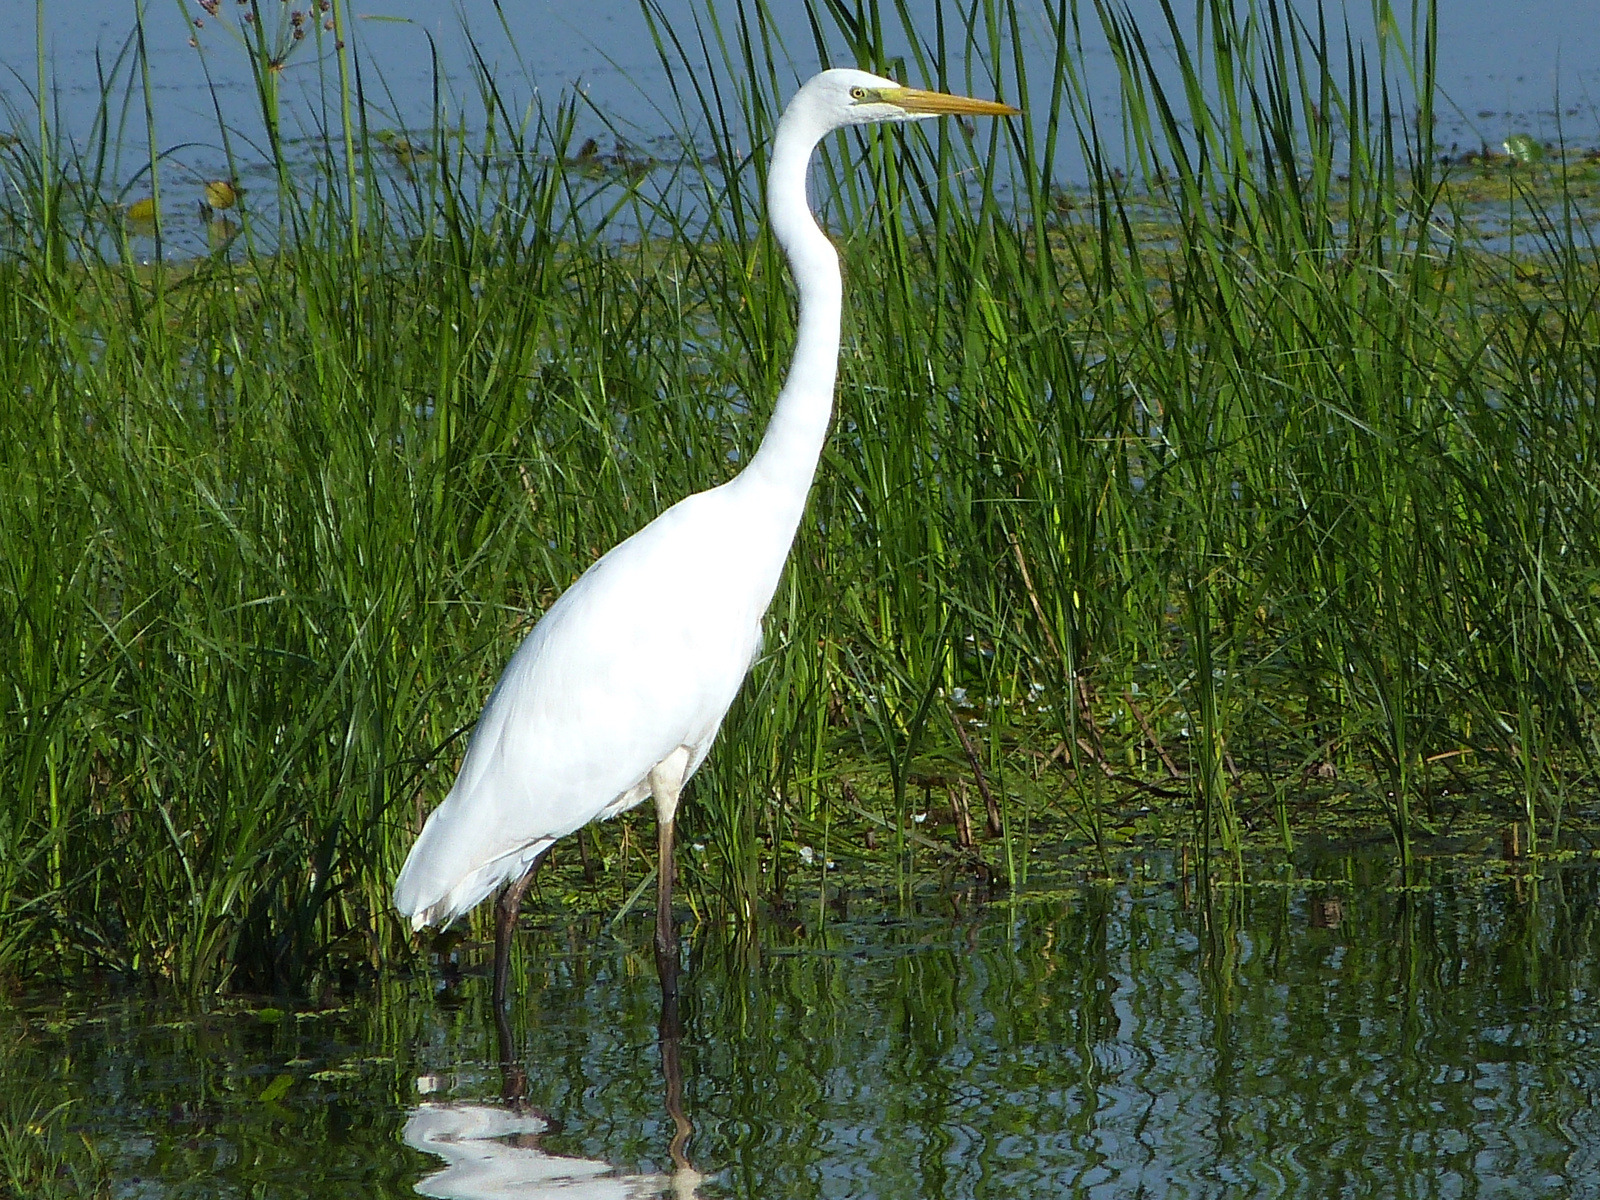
point(1503, 68)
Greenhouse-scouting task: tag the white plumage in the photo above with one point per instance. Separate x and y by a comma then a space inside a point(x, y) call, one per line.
point(641, 656)
point(619, 690)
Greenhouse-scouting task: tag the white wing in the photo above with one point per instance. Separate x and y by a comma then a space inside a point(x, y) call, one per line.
point(643, 654)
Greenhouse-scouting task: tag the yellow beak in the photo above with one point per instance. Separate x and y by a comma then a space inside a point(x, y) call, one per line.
point(915, 100)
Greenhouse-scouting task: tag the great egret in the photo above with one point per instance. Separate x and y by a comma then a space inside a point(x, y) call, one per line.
point(619, 690)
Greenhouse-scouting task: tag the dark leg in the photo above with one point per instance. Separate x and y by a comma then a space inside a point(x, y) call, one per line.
point(670, 1031)
point(666, 934)
point(513, 1079)
point(666, 784)
point(589, 873)
point(505, 924)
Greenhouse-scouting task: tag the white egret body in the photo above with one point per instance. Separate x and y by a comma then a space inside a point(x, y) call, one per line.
point(619, 690)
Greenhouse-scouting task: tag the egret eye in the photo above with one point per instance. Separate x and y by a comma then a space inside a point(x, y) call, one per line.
point(858, 93)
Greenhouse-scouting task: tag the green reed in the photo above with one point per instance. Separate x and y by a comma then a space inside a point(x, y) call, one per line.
point(1250, 486)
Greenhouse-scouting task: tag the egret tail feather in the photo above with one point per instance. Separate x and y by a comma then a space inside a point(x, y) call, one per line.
point(428, 892)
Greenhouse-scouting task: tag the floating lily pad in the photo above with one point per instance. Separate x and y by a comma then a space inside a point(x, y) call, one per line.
point(221, 194)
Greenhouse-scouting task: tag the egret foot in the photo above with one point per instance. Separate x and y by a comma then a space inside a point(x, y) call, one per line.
point(513, 1079)
point(670, 1031)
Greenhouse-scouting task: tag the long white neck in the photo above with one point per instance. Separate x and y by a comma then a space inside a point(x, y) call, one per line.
point(787, 458)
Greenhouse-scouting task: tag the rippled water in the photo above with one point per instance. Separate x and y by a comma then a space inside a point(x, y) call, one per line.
point(1120, 1039)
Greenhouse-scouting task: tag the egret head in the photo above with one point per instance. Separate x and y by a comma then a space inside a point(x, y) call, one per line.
point(848, 97)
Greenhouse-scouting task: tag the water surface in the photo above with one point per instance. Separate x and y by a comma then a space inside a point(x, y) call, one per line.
point(1502, 69)
point(1112, 1039)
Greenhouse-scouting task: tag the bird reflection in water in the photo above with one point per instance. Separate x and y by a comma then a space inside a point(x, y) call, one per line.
point(493, 1151)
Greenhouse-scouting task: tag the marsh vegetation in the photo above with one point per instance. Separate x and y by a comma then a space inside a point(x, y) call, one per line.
point(1241, 492)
